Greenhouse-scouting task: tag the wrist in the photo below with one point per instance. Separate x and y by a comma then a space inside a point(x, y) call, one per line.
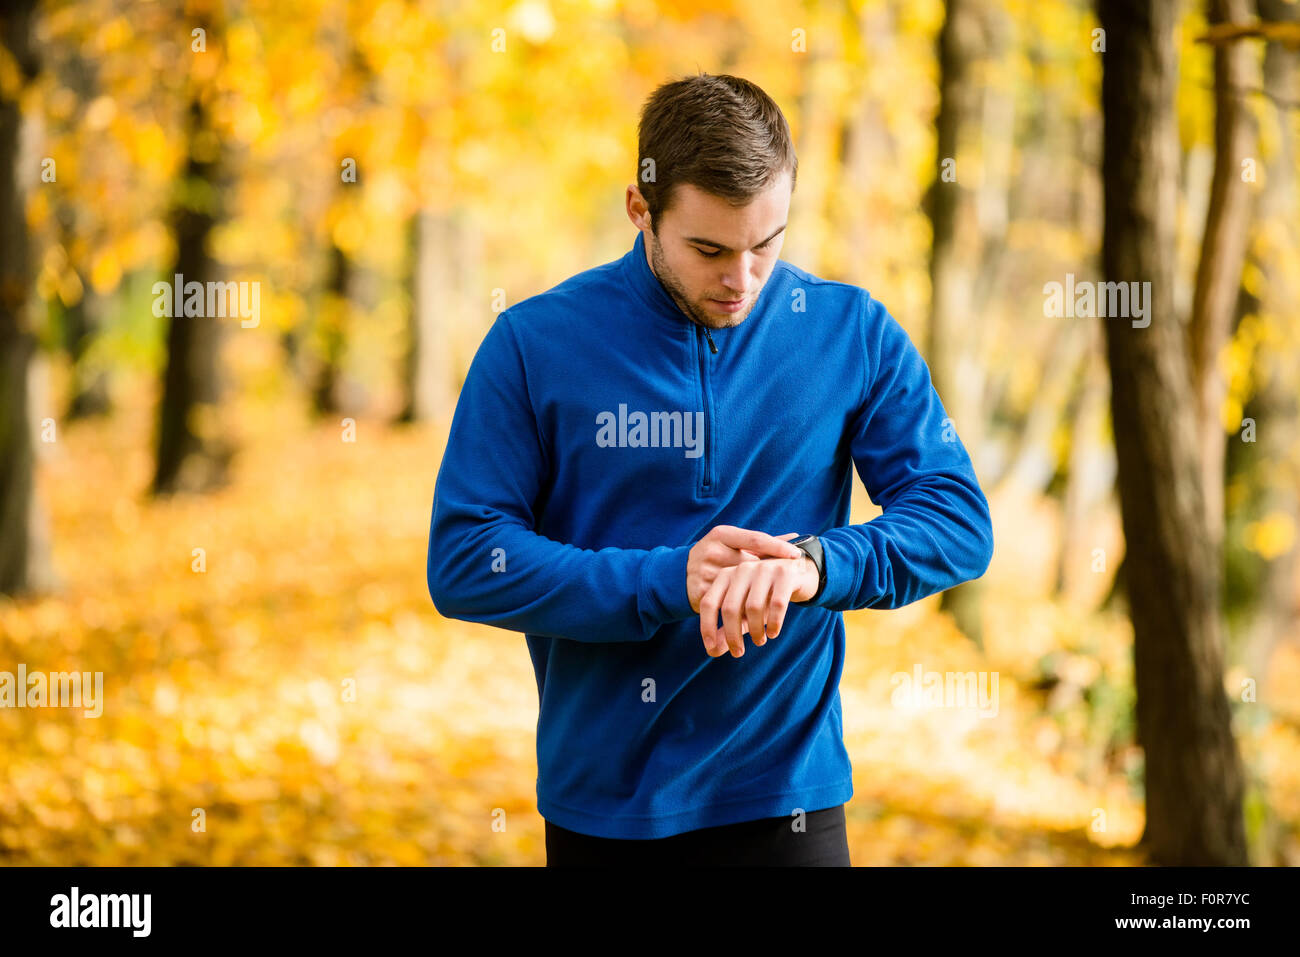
point(811, 546)
point(809, 580)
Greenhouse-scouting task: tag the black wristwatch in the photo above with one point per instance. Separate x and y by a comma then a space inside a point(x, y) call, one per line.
point(811, 546)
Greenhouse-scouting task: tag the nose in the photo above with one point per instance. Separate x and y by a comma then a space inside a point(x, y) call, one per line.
point(735, 279)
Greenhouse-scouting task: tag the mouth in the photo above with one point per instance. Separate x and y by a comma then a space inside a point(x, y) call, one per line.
point(729, 305)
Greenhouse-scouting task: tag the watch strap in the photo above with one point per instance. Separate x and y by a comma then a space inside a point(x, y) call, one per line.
point(811, 546)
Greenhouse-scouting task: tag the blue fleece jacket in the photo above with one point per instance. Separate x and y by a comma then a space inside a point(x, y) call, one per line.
point(598, 436)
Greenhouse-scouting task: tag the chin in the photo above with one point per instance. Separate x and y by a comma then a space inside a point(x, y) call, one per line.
point(725, 320)
point(719, 320)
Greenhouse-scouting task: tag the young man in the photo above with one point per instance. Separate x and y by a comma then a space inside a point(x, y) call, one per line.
point(631, 454)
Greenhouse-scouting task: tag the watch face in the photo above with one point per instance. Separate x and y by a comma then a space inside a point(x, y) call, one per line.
point(803, 538)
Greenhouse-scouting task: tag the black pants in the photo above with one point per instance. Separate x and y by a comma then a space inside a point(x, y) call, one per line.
point(768, 842)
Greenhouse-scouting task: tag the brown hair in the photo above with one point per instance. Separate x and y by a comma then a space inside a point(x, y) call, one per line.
point(720, 133)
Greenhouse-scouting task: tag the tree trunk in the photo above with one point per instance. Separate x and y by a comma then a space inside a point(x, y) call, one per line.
point(332, 332)
point(88, 393)
point(434, 280)
point(961, 213)
point(191, 454)
point(1275, 407)
point(88, 390)
point(1193, 773)
point(20, 570)
point(1223, 251)
point(1089, 470)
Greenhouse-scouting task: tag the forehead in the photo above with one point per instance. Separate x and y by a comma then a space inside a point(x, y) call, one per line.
point(697, 212)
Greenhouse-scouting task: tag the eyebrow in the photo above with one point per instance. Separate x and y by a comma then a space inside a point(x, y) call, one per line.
point(710, 242)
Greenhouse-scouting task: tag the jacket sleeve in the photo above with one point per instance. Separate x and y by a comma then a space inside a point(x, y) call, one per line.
point(935, 531)
point(486, 563)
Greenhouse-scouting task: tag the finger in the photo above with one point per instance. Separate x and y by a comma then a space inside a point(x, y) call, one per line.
point(733, 607)
point(759, 543)
point(756, 603)
point(778, 601)
point(724, 556)
point(714, 645)
point(749, 556)
point(720, 637)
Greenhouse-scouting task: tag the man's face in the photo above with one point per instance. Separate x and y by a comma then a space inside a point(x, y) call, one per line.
point(707, 250)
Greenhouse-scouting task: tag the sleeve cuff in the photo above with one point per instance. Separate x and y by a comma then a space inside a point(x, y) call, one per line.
point(843, 575)
point(661, 594)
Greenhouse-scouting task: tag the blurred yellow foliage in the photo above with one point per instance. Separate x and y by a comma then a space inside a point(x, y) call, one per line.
point(1272, 536)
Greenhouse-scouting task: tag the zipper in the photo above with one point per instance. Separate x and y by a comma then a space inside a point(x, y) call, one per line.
point(707, 485)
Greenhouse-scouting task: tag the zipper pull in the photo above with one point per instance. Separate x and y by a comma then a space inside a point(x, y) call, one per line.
point(710, 338)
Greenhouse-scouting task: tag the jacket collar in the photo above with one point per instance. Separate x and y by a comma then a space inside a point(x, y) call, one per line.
point(649, 289)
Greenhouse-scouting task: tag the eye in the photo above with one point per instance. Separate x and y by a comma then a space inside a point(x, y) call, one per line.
point(767, 245)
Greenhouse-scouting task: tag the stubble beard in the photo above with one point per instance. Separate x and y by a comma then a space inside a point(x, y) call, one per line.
point(678, 294)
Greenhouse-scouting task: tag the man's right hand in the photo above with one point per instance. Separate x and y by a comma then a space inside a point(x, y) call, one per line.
point(727, 545)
